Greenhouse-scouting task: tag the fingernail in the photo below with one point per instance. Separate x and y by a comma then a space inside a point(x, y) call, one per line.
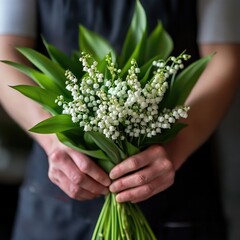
point(112, 175)
point(112, 188)
point(119, 198)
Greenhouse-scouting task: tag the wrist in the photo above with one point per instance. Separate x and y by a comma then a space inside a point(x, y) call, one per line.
point(175, 154)
point(46, 141)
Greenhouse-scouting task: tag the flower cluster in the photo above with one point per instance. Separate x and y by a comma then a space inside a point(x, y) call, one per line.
point(119, 106)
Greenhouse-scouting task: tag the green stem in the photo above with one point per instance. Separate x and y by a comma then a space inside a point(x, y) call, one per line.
point(121, 221)
point(145, 223)
point(100, 222)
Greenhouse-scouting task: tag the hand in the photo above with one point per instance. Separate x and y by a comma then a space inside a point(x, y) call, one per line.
point(143, 175)
point(76, 174)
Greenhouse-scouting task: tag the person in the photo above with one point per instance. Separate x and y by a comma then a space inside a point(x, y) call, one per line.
point(62, 193)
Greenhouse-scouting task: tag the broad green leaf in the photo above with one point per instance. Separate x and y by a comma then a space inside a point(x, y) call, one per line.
point(43, 96)
point(106, 165)
point(89, 142)
point(166, 136)
point(135, 33)
point(188, 78)
point(53, 70)
point(92, 43)
point(102, 65)
point(76, 55)
point(138, 55)
point(159, 44)
point(55, 124)
point(131, 149)
point(108, 146)
point(146, 76)
point(97, 154)
point(183, 83)
point(40, 78)
point(64, 61)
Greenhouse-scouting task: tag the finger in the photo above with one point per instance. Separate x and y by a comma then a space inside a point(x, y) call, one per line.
point(136, 179)
point(83, 181)
point(129, 165)
point(137, 161)
point(63, 182)
point(144, 192)
point(79, 179)
point(75, 176)
point(89, 167)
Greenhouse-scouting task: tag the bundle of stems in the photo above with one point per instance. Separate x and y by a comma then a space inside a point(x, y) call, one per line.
point(121, 221)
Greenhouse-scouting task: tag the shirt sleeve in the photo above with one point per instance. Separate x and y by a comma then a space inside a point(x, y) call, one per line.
point(218, 21)
point(18, 17)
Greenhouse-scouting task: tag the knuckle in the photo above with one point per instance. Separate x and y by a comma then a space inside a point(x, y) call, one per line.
point(166, 165)
point(141, 179)
point(157, 150)
point(76, 179)
point(54, 156)
point(73, 191)
point(85, 166)
point(134, 163)
point(52, 173)
point(58, 157)
point(148, 189)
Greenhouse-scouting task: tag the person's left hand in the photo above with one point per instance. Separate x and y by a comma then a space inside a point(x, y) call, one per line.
point(143, 175)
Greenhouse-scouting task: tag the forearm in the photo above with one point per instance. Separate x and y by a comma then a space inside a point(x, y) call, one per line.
point(209, 100)
point(23, 110)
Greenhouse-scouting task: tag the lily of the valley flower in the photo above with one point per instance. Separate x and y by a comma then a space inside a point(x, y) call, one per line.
point(121, 107)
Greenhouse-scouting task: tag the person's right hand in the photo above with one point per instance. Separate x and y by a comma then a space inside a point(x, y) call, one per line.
point(75, 173)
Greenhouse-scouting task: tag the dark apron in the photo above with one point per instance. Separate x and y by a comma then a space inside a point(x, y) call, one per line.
point(190, 209)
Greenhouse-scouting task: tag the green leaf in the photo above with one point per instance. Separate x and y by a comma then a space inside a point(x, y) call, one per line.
point(147, 74)
point(102, 65)
point(183, 83)
point(55, 124)
point(138, 55)
point(100, 157)
point(188, 78)
point(108, 146)
point(45, 64)
point(97, 154)
point(43, 96)
point(166, 136)
point(135, 33)
point(92, 43)
point(106, 165)
point(40, 78)
point(64, 61)
point(88, 140)
point(131, 149)
point(75, 134)
point(159, 44)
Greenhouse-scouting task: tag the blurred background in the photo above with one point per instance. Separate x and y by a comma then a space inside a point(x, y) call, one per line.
point(14, 148)
point(228, 150)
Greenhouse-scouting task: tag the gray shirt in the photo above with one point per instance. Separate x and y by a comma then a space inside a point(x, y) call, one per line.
point(217, 19)
point(18, 17)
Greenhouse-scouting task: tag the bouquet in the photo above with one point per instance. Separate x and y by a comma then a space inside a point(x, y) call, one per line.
point(111, 106)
